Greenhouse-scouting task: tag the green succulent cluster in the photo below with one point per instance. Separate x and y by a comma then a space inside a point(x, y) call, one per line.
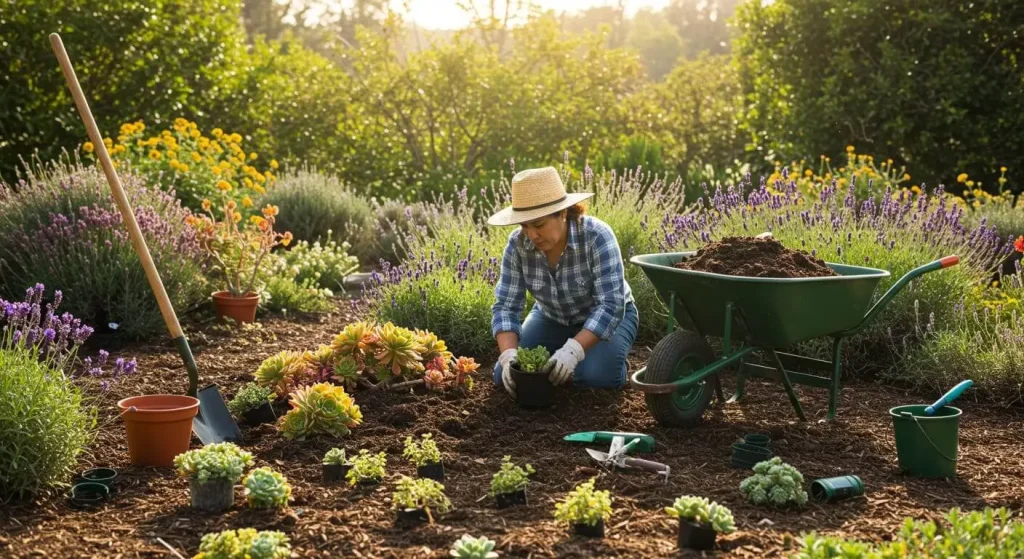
point(214, 461)
point(584, 505)
point(423, 452)
point(421, 493)
point(702, 511)
point(246, 543)
point(335, 456)
point(774, 483)
point(250, 397)
point(510, 478)
point(531, 360)
point(367, 467)
point(468, 547)
point(265, 489)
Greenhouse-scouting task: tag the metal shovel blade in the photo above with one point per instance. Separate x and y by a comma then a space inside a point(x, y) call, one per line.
point(214, 423)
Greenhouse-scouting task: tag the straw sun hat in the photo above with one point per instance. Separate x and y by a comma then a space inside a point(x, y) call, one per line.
point(535, 194)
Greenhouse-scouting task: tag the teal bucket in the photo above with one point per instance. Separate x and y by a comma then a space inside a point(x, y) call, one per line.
point(927, 445)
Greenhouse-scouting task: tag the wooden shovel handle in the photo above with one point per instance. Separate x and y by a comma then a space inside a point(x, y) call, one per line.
point(115, 185)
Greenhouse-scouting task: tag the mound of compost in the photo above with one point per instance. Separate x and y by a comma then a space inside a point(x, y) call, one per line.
point(753, 257)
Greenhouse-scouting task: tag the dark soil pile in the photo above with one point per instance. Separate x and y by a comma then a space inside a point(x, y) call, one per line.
point(753, 257)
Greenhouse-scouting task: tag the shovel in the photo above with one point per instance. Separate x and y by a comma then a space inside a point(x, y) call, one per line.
point(213, 423)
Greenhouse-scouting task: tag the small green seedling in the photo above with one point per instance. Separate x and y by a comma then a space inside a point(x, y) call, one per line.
point(250, 397)
point(703, 512)
point(423, 452)
point(510, 478)
point(775, 484)
point(423, 493)
point(585, 505)
point(335, 457)
point(532, 360)
point(468, 547)
point(367, 467)
point(265, 489)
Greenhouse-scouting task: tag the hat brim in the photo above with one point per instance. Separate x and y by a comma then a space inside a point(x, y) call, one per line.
point(508, 216)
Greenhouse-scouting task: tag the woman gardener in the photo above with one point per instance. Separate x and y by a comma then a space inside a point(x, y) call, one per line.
point(570, 262)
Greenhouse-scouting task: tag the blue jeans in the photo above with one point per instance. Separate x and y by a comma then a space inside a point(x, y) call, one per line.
point(605, 363)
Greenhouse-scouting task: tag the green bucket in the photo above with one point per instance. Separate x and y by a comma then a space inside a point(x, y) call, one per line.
point(926, 445)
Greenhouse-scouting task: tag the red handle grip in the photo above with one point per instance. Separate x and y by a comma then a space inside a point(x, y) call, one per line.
point(949, 261)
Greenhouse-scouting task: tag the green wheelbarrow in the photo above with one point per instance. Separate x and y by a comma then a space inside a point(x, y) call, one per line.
point(752, 314)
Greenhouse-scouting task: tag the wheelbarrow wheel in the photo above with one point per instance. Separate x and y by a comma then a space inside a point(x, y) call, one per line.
point(676, 356)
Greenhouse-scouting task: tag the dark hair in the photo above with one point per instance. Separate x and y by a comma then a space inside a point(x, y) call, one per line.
point(576, 212)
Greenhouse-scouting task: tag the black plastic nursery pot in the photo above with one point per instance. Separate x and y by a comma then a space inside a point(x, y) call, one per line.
point(410, 517)
point(434, 471)
point(748, 453)
point(335, 473)
point(259, 416)
point(533, 390)
point(588, 530)
point(216, 495)
point(763, 441)
point(105, 476)
point(88, 494)
point(506, 500)
point(370, 481)
point(695, 536)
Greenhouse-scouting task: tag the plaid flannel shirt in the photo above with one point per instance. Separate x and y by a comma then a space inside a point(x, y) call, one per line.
point(588, 288)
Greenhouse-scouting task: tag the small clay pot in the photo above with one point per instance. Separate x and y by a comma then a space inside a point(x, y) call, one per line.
point(595, 531)
point(533, 390)
point(216, 495)
point(240, 309)
point(106, 476)
point(505, 500)
point(433, 471)
point(410, 517)
point(335, 473)
point(258, 416)
point(695, 536)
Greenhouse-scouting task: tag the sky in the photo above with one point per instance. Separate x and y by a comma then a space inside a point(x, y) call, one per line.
point(445, 14)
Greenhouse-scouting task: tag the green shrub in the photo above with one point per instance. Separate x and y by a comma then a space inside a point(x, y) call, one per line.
point(283, 295)
point(367, 467)
point(249, 397)
point(422, 452)
point(318, 265)
point(584, 505)
point(61, 227)
point(245, 543)
point(421, 493)
point(396, 220)
point(319, 207)
point(265, 488)
point(774, 483)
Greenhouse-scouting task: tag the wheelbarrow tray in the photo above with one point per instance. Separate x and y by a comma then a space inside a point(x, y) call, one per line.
point(773, 312)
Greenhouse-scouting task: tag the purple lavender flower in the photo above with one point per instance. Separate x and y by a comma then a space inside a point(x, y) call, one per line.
point(103, 354)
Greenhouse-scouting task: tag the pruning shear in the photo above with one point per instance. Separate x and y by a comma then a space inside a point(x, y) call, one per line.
point(617, 457)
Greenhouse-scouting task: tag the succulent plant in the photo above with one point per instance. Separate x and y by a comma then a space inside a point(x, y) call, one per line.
point(422, 493)
point(355, 343)
point(367, 467)
point(432, 346)
point(214, 461)
point(250, 397)
point(320, 409)
point(423, 452)
point(701, 511)
point(468, 547)
point(464, 367)
point(265, 488)
point(245, 543)
point(584, 505)
point(774, 483)
point(531, 360)
point(510, 478)
point(285, 371)
point(335, 456)
point(398, 352)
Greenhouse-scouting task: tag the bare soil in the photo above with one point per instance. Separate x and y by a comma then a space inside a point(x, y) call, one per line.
point(476, 431)
point(753, 257)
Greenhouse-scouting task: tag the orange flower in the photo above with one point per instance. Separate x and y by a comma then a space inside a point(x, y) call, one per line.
point(1019, 244)
point(270, 211)
point(206, 205)
point(287, 239)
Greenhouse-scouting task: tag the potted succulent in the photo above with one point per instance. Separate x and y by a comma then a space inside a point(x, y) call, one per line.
point(212, 472)
point(245, 542)
point(367, 469)
point(252, 404)
point(468, 547)
point(533, 387)
point(416, 500)
point(336, 465)
point(238, 250)
point(265, 489)
point(425, 455)
point(508, 486)
point(774, 484)
point(585, 509)
point(700, 521)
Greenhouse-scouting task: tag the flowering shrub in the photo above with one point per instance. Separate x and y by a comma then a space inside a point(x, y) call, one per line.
point(245, 543)
point(214, 461)
point(321, 266)
point(195, 166)
point(774, 483)
point(700, 510)
point(60, 226)
point(421, 493)
point(422, 452)
point(320, 409)
point(367, 467)
point(265, 488)
point(584, 505)
point(510, 478)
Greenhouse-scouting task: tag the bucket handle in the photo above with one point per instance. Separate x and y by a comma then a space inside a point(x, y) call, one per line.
point(929, 439)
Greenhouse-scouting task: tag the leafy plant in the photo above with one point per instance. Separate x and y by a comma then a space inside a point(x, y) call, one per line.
point(250, 397)
point(585, 505)
point(421, 493)
point(422, 452)
point(774, 483)
point(468, 547)
point(245, 543)
point(335, 456)
point(531, 360)
point(265, 488)
point(701, 511)
point(285, 371)
point(283, 295)
point(510, 478)
point(214, 462)
point(367, 467)
point(320, 409)
point(317, 266)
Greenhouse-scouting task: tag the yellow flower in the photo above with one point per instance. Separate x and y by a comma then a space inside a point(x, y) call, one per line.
point(235, 138)
point(259, 189)
point(217, 133)
point(1002, 169)
point(223, 185)
point(287, 239)
point(256, 220)
point(273, 164)
point(906, 176)
point(970, 184)
point(246, 202)
point(808, 173)
point(962, 177)
point(231, 205)
point(253, 156)
point(206, 205)
point(154, 155)
point(216, 170)
point(236, 217)
point(88, 147)
point(850, 149)
point(119, 149)
point(270, 211)
point(196, 157)
point(915, 189)
point(195, 134)
point(248, 182)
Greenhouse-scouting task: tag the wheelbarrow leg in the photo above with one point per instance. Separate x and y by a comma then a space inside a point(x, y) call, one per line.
point(741, 380)
point(718, 389)
point(837, 367)
point(789, 387)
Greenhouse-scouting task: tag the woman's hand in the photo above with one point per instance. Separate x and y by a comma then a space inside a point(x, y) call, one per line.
point(564, 361)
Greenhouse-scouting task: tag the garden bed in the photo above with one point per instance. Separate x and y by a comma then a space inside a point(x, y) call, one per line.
point(474, 433)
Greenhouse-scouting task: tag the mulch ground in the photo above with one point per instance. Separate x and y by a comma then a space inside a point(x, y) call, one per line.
point(475, 432)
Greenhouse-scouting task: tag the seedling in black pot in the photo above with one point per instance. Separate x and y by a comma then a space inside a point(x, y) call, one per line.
point(508, 486)
point(533, 387)
point(336, 465)
point(700, 522)
point(418, 500)
point(252, 405)
point(426, 456)
point(367, 469)
point(585, 509)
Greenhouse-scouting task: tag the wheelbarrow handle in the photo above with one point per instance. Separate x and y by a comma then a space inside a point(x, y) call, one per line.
point(910, 276)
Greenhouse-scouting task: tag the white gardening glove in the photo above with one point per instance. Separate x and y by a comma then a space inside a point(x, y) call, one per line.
point(505, 360)
point(564, 361)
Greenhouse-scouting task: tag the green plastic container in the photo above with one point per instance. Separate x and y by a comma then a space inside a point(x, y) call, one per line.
point(831, 489)
point(927, 446)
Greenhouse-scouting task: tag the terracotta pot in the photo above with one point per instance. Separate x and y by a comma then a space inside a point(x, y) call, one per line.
point(159, 428)
point(239, 309)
